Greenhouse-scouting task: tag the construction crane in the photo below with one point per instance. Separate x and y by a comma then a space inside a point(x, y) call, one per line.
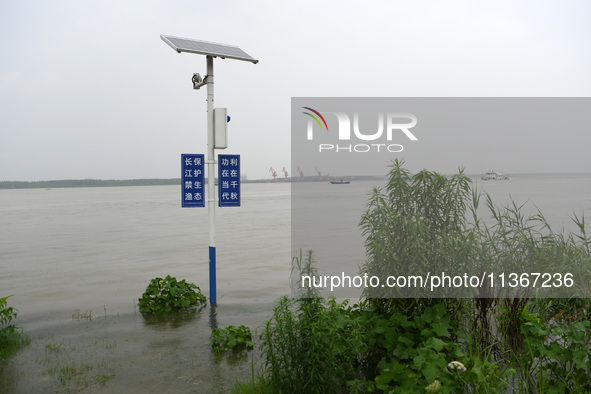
point(272, 171)
point(319, 173)
point(301, 174)
point(285, 174)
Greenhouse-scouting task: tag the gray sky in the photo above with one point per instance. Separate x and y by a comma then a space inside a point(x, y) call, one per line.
point(89, 90)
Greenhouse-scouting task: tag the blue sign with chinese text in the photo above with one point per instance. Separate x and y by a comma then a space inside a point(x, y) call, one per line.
point(229, 180)
point(193, 180)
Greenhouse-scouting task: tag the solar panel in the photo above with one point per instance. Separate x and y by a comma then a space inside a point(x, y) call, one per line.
point(207, 48)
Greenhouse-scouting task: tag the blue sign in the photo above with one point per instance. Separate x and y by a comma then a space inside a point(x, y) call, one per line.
point(229, 180)
point(193, 180)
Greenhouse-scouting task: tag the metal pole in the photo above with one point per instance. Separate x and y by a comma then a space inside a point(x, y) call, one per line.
point(211, 181)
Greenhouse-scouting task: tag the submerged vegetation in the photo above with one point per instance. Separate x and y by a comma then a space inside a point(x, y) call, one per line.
point(169, 294)
point(75, 369)
point(488, 339)
point(231, 338)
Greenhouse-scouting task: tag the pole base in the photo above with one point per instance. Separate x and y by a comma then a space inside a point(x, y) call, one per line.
point(212, 279)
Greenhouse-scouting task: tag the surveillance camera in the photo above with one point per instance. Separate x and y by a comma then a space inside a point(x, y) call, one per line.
point(196, 81)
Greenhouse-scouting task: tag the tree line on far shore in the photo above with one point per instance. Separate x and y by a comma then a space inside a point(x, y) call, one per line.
point(86, 183)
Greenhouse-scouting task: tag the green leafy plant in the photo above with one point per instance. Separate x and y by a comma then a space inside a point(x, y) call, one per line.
point(418, 353)
point(168, 294)
point(555, 358)
point(231, 338)
point(7, 313)
point(311, 346)
point(11, 337)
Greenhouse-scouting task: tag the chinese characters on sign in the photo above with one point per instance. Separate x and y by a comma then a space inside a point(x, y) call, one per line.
point(192, 180)
point(229, 180)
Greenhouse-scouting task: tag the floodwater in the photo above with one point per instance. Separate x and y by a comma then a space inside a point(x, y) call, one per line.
point(77, 260)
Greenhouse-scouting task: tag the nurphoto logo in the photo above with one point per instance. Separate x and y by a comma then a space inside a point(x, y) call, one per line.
point(389, 125)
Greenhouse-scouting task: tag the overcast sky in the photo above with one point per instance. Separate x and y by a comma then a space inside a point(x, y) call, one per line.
point(89, 90)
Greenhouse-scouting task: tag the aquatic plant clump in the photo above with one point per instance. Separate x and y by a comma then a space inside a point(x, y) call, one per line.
point(231, 338)
point(168, 294)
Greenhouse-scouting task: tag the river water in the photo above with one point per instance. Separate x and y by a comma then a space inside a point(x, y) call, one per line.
point(76, 261)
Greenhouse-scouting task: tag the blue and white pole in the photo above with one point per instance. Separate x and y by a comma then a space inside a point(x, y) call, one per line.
point(211, 50)
point(211, 181)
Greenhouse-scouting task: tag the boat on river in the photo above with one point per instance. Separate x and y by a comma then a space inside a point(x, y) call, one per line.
point(495, 176)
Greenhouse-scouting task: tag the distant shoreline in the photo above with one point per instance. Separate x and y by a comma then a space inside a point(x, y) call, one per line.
point(85, 183)
point(65, 183)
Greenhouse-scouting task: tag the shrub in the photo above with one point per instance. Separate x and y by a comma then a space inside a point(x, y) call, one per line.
point(415, 222)
point(311, 346)
point(168, 294)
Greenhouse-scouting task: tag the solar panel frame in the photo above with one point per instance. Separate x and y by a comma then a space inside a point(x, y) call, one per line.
point(200, 47)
